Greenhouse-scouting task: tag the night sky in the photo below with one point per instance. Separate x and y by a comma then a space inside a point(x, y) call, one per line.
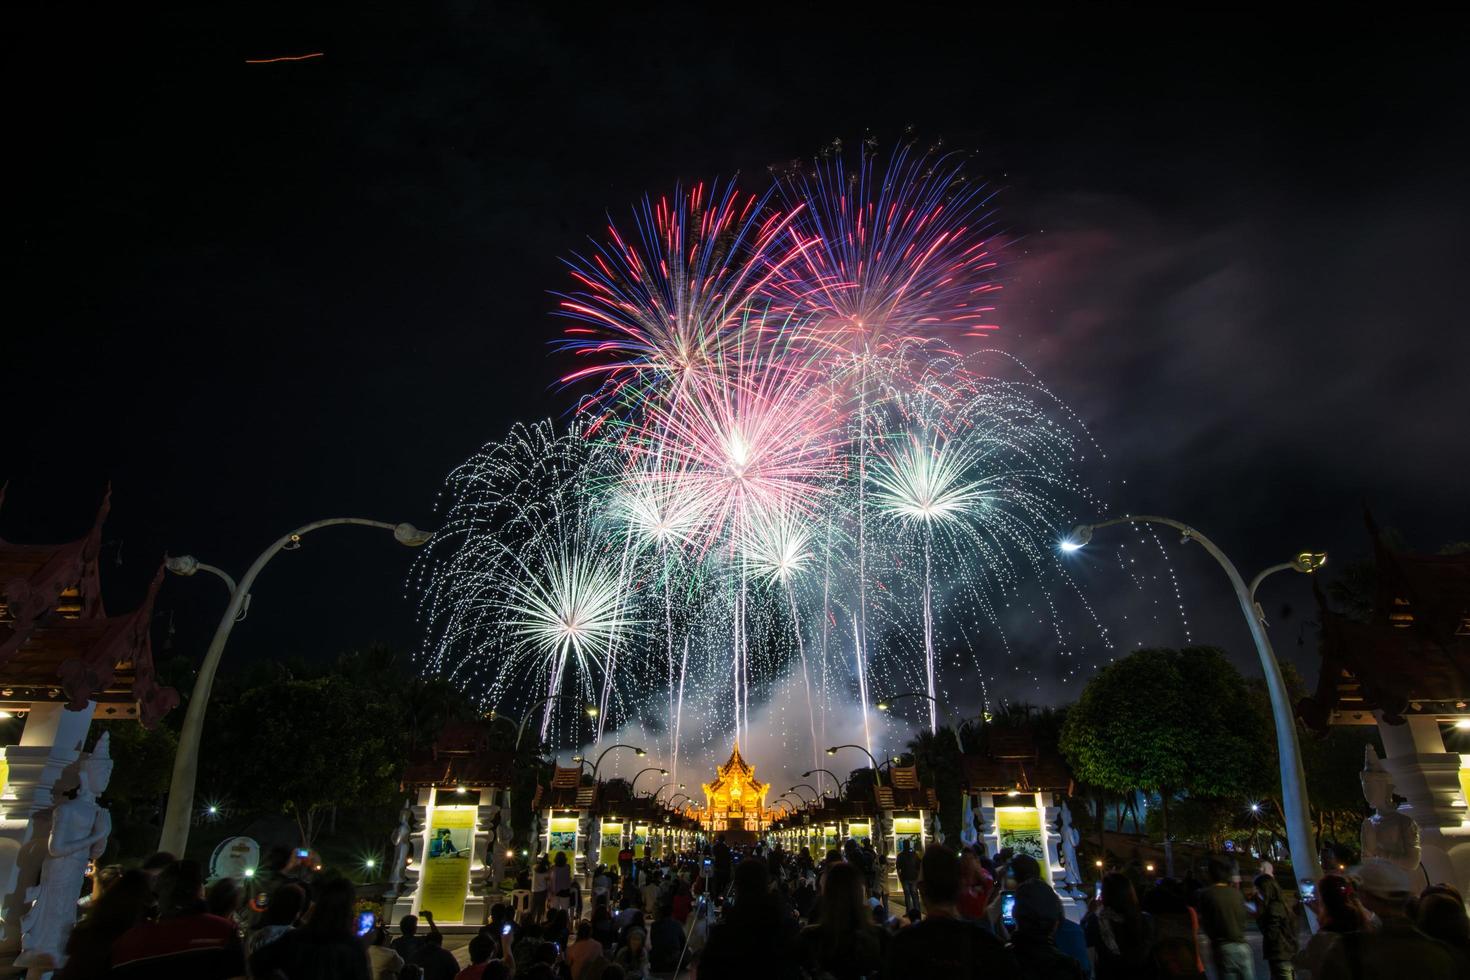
point(251, 296)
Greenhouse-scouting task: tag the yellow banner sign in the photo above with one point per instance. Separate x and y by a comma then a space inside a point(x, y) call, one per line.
point(445, 881)
point(562, 839)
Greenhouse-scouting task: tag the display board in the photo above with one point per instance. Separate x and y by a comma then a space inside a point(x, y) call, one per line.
point(445, 880)
point(562, 838)
point(909, 829)
point(1020, 830)
point(610, 844)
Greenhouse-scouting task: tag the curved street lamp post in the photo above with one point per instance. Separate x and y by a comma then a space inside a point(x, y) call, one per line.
point(877, 770)
point(841, 783)
point(886, 704)
point(582, 760)
point(634, 781)
point(180, 808)
point(1293, 780)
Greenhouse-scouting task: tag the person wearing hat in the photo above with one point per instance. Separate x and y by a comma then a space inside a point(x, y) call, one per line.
point(1038, 912)
point(1396, 948)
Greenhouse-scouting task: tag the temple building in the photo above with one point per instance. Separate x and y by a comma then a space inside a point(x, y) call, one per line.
point(64, 660)
point(735, 803)
point(1401, 661)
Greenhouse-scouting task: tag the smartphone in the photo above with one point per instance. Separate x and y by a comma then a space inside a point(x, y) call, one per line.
point(301, 852)
point(366, 922)
point(1008, 909)
point(1251, 907)
point(1308, 889)
point(1097, 891)
point(506, 929)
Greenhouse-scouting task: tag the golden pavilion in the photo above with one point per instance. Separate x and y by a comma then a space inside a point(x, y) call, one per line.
point(735, 803)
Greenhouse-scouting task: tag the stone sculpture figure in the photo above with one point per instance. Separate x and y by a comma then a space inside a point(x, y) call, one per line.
point(1388, 833)
point(402, 841)
point(79, 831)
point(1070, 839)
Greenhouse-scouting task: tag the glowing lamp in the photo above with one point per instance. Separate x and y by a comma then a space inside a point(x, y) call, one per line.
point(1078, 539)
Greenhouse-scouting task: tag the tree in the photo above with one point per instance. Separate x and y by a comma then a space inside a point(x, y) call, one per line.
point(937, 757)
point(143, 761)
point(1166, 722)
point(302, 747)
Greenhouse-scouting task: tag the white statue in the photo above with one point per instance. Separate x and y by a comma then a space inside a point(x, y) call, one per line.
point(1070, 839)
point(1388, 834)
point(79, 830)
point(402, 841)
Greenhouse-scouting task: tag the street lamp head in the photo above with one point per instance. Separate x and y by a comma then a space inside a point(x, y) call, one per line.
point(832, 750)
point(640, 753)
point(591, 710)
point(1078, 539)
point(883, 705)
point(1308, 562)
point(411, 537)
point(182, 564)
point(663, 772)
point(579, 758)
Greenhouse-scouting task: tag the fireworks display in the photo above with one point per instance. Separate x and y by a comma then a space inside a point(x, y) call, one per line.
point(784, 471)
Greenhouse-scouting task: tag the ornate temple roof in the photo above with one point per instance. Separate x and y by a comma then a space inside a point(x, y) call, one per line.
point(57, 641)
point(736, 771)
point(1411, 655)
point(903, 791)
point(461, 756)
point(1014, 760)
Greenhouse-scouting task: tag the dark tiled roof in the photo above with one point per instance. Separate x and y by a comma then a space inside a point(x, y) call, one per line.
point(58, 643)
point(1013, 760)
point(1413, 653)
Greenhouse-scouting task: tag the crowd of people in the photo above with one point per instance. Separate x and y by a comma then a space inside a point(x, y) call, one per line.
point(719, 912)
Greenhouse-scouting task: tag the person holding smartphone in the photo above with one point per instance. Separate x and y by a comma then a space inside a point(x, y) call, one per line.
point(482, 954)
point(943, 944)
point(1278, 927)
point(1035, 912)
point(1119, 934)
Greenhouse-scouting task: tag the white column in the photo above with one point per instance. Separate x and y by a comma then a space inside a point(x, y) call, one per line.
point(989, 829)
point(42, 767)
point(1429, 778)
point(407, 902)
